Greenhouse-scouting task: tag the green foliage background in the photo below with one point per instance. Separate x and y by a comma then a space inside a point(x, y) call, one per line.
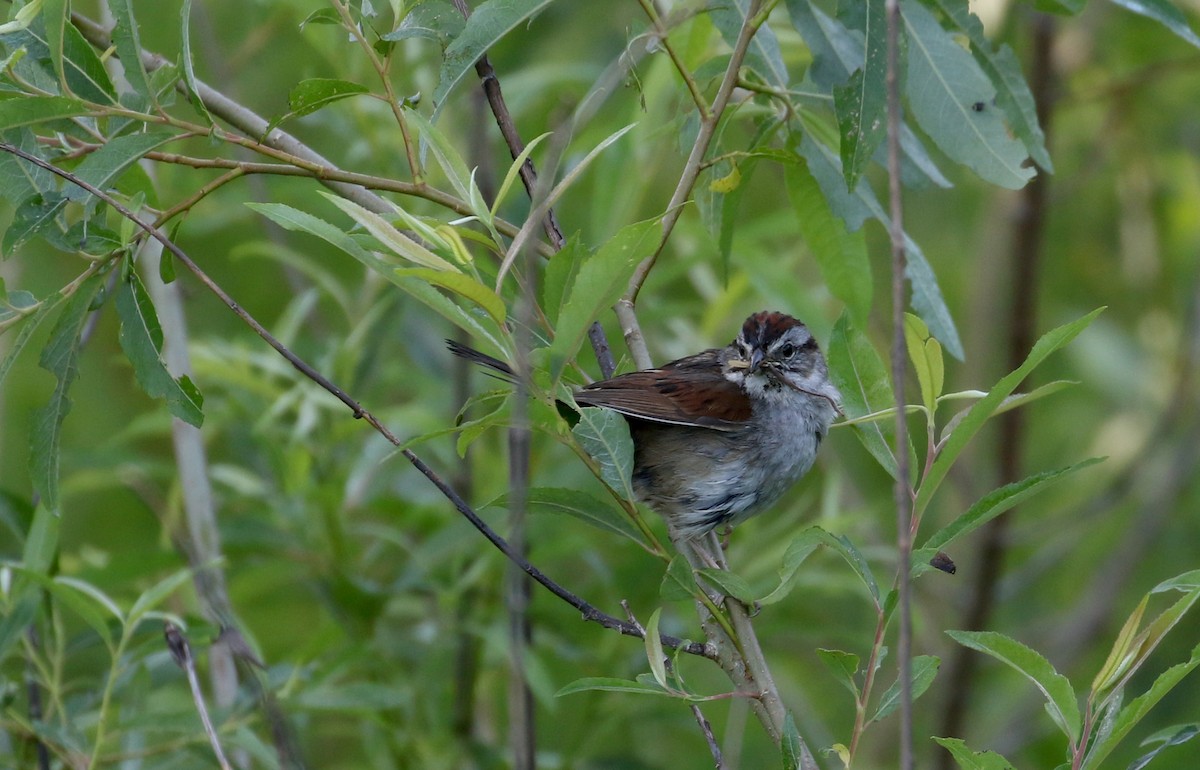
point(378, 611)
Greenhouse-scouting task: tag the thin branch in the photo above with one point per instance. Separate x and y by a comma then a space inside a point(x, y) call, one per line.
point(588, 611)
point(181, 653)
point(660, 33)
point(705, 726)
point(687, 181)
point(508, 129)
point(902, 488)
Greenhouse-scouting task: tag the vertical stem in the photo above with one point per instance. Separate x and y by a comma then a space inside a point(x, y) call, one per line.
point(1029, 226)
point(903, 491)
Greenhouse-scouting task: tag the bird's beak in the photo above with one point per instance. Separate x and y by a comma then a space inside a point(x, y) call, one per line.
point(756, 358)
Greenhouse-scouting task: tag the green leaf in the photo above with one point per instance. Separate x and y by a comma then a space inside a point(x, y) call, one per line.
point(678, 581)
point(20, 179)
point(730, 584)
point(927, 297)
point(1165, 13)
point(490, 21)
point(28, 110)
point(391, 238)
point(841, 255)
point(310, 95)
point(1003, 69)
point(610, 684)
point(654, 650)
point(154, 595)
point(83, 71)
point(926, 356)
point(924, 669)
point(944, 85)
point(514, 171)
point(41, 544)
point(464, 286)
point(584, 507)
point(1177, 735)
point(983, 409)
point(189, 68)
point(970, 760)
point(37, 216)
point(797, 552)
point(861, 377)
point(791, 745)
point(604, 435)
point(1061, 701)
point(843, 665)
point(992, 505)
point(861, 104)
point(1136, 709)
point(141, 339)
point(103, 166)
point(301, 221)
point(561, 273)
point(54, 20)
point(60, 357)
point(600, 283)
point(129, 48)
point(432, 21)
point(29, 326)
point(444, 151)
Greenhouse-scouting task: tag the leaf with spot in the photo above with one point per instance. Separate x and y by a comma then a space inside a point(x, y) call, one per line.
point(943, 85)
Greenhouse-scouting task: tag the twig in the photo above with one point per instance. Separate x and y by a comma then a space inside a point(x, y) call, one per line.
point(181, 653)
point(705, 726)
point(683, 189)
point(588, 611)
point(508, 129)
point(902, 488)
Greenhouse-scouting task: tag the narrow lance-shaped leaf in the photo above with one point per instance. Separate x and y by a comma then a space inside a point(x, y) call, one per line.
point(102, 167)
point(189, 68)
point(141, 339)
point(983, 409)
point(855, 208)
point(1060, 696)
point(992, 505)
point(1165, 14)
point(1136, 709)
point(28, 110)
point(859, 373)
point(924, 670)
point(489, 22)
point(861, 104)
point(973, 760)
point(604, 435)
point(129, 48)
point(599, 283)
point(763, 55)
point(1012, 92)
point(841, 255)
point(60, 357)
point(945, 88)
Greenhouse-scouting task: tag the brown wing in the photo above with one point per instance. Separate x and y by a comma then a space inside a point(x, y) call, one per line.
point(690, 391)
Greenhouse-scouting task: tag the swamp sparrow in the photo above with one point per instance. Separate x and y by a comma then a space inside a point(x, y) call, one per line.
point(719, 436)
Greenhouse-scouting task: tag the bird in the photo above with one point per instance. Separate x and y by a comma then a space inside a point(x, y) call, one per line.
point(721, 435)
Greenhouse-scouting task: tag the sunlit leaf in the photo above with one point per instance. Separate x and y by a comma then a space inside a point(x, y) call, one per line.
point(972, 760)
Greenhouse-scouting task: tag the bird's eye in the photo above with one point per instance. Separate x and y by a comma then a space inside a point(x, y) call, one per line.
point(787, 351)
